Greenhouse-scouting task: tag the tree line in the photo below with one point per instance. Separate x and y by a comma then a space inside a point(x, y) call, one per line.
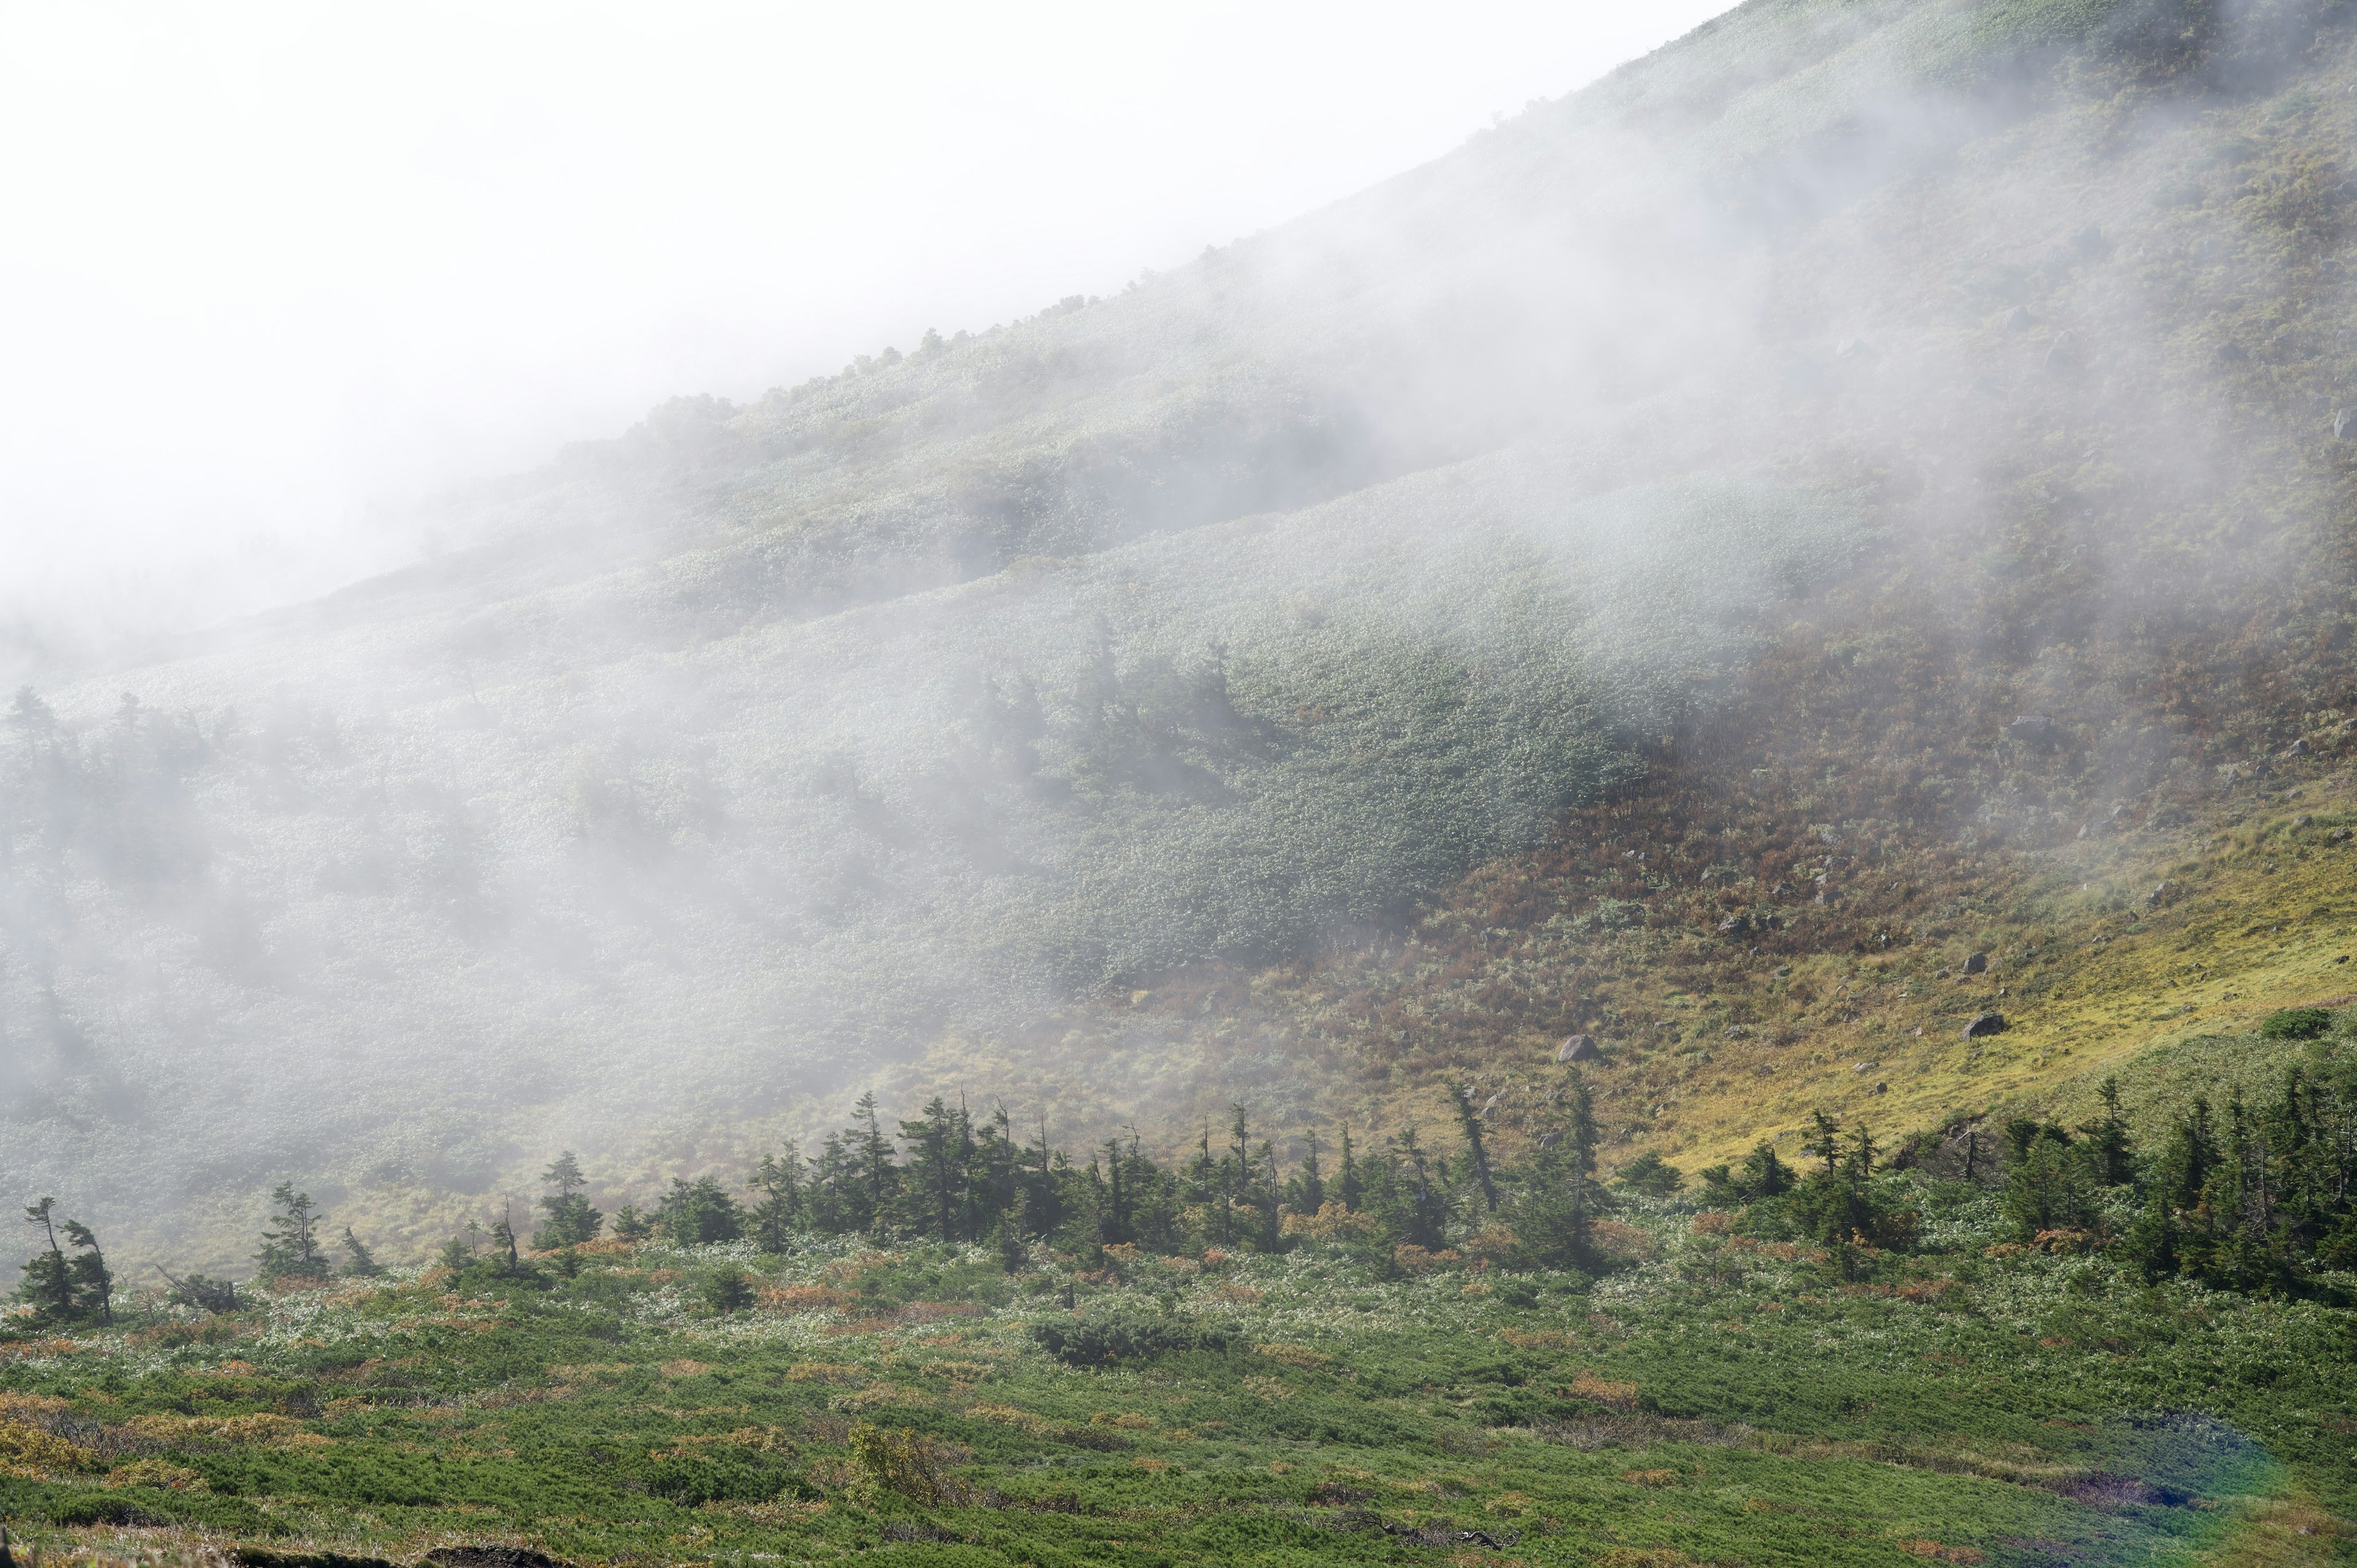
point(2258, 1200)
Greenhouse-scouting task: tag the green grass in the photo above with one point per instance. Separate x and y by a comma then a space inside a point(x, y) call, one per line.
point(1721, 1402)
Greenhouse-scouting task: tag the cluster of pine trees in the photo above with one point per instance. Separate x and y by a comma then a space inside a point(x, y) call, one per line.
point(951, 1176)
point(2261, 1200)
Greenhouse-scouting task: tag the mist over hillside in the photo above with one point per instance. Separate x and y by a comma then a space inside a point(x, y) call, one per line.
point(1876, 377)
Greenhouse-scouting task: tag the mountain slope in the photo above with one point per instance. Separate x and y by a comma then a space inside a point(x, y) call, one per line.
point(1897, 434)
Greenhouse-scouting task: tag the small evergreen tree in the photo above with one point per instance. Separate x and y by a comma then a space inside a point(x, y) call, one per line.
point(2110, 1153)
point(1306, 1192)
point(59, 1289)
point(727, 1291)
point(92, 1285)
point(878, 1170)
point(1763, 1174)
point(2049, 1186)
point(47, 1285)
point(1554, 1212)
point(359, 1264)
point(571, 1220)
point(1477, 1157)
point(503, 1242)
point(630, 1225)
point(698, 1213)
point(780, 1211)
point(290, 1242)
point(1650, 1174)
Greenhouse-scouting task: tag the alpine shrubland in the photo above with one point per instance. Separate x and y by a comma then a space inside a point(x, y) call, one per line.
point(1807, 583)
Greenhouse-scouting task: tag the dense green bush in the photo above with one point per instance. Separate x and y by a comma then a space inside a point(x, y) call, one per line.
point(2296, 1024)
point(1103, 1336)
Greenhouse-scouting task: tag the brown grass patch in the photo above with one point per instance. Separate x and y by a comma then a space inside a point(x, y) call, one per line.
point(1294, 1355)
point(30, 1453)
point(1604, 1391)
point(825, 1372)
point(212, 1428)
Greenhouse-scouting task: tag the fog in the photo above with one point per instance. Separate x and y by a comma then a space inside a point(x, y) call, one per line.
point(1127, 608)
point(272, 275)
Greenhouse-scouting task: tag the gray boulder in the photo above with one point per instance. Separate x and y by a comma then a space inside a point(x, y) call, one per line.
point(1986, 1023)
point(1578, 1048)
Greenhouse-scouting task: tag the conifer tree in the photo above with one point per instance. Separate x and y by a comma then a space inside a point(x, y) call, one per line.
point(630, 1225)
point(1475, 1156)
point(359, 1264)
point(503, 1238)
point(290, 1242)
point(698, 1213)
point(571, 1218)
point(1306, 1192)
point(47, 1285)
point(1763, 1174)
point(877, 1166)
point(1554, 1213)
point(1351, 1187)
point(780, 1212)
point(1824, 1140)
point(92, 1285)
point(1423, 1210)
point(2110, 1154)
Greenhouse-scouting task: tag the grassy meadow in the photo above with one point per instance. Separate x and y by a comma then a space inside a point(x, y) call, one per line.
point(1707, 1399)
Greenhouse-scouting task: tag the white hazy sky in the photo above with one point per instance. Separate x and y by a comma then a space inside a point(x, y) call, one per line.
point(268, 271)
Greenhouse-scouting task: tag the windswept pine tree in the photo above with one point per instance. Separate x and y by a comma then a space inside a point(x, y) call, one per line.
point(290, 1244)
point(59, 1289)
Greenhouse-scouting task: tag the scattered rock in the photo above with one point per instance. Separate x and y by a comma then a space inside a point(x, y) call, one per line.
point(1578, 1048)
point(2343, 420)
point(2062, 351)
point(1853, 349)
point(2303, 821)
point(1881, 1089)
point(2018, 319)
point(2297, 748)
point(2342, 835)
point(1977, 964)
point(1864, 1066)
point(1986, 1023)
point(1734, 926)
point(2089, 242)
point(2233, 354)
point(2031, 727)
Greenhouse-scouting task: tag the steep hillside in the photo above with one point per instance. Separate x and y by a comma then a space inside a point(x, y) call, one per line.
point(1858, 489)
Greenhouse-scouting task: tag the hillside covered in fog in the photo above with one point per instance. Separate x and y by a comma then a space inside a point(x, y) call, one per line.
point(1866, 479)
